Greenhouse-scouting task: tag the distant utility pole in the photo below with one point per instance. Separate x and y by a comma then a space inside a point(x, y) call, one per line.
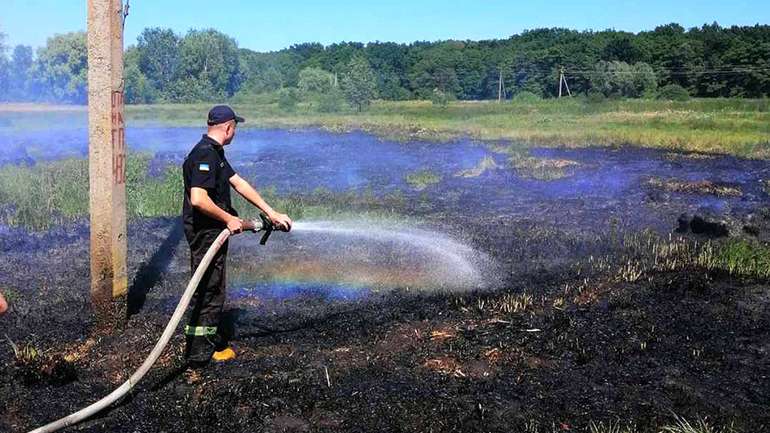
point(500, 87)
point(106, 154)
point(563, 82)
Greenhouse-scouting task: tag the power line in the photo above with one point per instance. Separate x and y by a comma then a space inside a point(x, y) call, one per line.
point(675, 72)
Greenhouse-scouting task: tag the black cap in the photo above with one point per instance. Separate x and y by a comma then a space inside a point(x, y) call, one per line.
point(222, 114)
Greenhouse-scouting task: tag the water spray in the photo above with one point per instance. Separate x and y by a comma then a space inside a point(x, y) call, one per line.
point(261, 225)
point(450, 264)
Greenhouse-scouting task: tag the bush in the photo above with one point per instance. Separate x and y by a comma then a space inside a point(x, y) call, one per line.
point(288, 99)
point(331, 101)
point(249, 97)
point(594, 97)
point(673, 92)
point(314, 80)
point(620, 79)
point(359, 83)
point(526, 96)
point(440, 98)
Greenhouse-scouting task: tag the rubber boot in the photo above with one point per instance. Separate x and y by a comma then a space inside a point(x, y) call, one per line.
point(224, 355)
point(198, 351)
point(222, 350)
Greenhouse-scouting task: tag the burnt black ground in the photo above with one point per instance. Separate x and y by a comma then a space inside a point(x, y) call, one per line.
point(689, 343)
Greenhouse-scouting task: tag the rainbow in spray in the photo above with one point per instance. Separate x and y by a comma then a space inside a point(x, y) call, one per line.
point(366, 255)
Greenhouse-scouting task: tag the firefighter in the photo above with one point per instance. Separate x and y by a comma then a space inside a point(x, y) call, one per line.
point(207, 210)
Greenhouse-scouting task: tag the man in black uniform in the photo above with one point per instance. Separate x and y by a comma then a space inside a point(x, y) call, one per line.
point(207, 210)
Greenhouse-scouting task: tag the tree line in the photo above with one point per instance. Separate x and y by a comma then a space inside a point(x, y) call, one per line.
point(206, 65)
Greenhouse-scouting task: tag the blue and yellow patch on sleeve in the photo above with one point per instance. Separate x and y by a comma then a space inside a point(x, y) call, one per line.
point(203, 167)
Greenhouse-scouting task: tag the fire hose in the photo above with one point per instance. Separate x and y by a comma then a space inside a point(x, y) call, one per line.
point(263, 225)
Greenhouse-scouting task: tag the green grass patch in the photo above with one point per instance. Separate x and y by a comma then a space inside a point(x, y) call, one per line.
point(528, 166)
point(44, 195)
point(54, 193)
point(422, 179)
point(633, 255)
point(152, 197)
point(745, 258)
point(486, 164)
point(11, 295)
point(704, 187)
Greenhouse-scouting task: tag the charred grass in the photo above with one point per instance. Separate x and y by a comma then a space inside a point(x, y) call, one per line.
point(640, 333)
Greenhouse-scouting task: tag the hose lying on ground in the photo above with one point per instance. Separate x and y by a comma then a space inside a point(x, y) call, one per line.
point(102, 404)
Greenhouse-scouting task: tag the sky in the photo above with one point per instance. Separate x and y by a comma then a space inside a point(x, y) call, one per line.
point(273, 25)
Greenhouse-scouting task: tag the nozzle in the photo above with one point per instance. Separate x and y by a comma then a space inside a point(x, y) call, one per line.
point(267, 227)
point(263, 224)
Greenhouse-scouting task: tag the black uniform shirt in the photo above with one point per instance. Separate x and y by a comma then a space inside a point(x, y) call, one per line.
point(206, 167)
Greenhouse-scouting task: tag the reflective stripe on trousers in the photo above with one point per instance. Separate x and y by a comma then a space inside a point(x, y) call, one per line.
point(200, 331)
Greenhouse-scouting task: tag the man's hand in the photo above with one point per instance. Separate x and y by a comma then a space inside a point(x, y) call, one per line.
point(235, 225)
point(281, 221)
point(248, 226)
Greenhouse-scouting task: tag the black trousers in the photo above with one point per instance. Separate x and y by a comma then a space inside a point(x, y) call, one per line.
point(209, 299)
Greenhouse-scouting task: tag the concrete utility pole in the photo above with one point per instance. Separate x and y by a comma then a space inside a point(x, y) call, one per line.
point(500, 87)
point(106, 154)
point(563, 83)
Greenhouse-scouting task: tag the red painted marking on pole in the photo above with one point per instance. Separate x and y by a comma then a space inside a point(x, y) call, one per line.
point(118, 140)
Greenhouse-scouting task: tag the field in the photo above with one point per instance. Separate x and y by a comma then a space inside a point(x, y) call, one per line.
point(540, 267)
point(732, 126)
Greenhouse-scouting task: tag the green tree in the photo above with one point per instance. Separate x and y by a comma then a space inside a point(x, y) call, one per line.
point(337, 57)
point(621, 48)
point(20, 73)
point(266, 78)
point(359, 84)
point(287, 99)
point(388, 60)
point(209, 67)
point(4, 70)
point(331, 101)
point(314, 81)
point(433, 68)
point(320, 89)
point(61, 68)
point(710, 61)
point(621, 79)
point(138, 89)
point(645, 81)
point(157, 52)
